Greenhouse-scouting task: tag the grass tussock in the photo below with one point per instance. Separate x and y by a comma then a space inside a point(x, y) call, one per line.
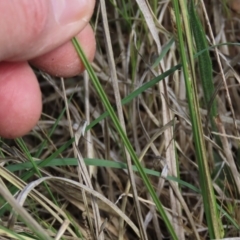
point(145, 143)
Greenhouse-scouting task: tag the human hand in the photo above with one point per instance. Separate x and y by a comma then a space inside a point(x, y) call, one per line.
point(234, 5)
point(39, 32)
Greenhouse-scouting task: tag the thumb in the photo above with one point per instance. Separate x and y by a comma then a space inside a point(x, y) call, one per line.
point(32, 28)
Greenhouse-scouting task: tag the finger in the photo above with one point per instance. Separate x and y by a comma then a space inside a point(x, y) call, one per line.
point(20, 99)
point(234, 5)
point(32, 28)
point(64, 61)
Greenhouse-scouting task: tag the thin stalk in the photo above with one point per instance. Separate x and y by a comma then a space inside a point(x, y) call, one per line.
point(187, 58)
point(124, 138)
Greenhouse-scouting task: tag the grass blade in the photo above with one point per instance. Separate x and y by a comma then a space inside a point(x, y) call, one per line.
point(204, 61)
point(187, 57)
point(123, 136)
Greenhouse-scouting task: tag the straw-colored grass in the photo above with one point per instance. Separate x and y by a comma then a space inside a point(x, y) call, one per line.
point(145, 143)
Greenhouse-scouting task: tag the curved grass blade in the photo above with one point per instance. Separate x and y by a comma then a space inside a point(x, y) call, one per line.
point(62, 162)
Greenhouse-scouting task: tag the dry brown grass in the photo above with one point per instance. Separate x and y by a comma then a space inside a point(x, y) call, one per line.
point(134, 52)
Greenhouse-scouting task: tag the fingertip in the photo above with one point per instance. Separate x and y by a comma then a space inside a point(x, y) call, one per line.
point(20, 99)
point(64, 61)
point(32, 28)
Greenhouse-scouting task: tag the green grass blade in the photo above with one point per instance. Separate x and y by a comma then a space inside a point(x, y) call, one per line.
point(59, 162)
point(187, 57)
point(204, 61)
point(44, 143)
point(155, 80)
point(164, 51)
point(34, 166)
point(137, 92)
point(63, 162)
point(123, 136)
point(11, 234)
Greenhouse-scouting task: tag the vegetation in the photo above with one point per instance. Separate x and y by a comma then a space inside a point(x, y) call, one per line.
point(145, 143)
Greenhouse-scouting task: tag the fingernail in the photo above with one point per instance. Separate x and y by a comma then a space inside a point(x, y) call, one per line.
point(66, 11)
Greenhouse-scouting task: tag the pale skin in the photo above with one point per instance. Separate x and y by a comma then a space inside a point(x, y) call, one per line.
point(34, 32)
